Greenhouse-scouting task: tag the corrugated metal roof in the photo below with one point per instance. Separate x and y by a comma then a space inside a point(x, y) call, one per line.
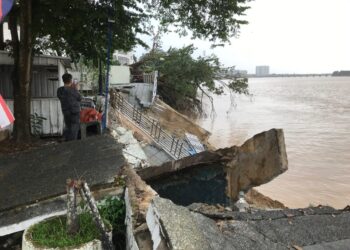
point(5, 59)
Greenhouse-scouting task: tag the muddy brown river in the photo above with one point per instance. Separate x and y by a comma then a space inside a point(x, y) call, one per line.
point(314, 113)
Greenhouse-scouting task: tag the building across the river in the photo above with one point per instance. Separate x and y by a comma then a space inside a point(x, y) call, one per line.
point(262, 70)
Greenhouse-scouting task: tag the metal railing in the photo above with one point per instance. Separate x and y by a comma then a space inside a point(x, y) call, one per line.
point(176, 147)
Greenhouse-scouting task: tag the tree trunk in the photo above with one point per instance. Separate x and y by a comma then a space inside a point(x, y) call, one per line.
point(23, 73)
point(100, 77)
point(2, 44)
point(72, 217)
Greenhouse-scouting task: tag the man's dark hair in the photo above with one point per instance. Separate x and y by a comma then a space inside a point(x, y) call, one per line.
point(67, 77)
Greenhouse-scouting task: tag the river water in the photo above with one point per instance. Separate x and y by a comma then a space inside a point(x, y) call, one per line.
point(314, 113)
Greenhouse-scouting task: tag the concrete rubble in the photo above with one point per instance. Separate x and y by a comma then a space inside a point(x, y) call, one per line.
point(191, 216)
point(132, 150)
point(158, 223)
point(224, 171)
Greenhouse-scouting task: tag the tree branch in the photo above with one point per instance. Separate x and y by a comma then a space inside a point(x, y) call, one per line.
point(211, 99)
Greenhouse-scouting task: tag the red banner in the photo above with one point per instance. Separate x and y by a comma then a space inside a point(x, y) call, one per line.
point(6, 116)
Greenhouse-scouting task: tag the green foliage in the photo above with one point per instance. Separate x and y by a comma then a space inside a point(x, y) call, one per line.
point(36, 122)
point(182, 76)
point(113, 210)
point(239, 85)
point(79, 27)
point(213, 20)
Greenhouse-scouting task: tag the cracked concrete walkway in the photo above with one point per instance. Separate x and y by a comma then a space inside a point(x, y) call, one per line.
point(35, 175)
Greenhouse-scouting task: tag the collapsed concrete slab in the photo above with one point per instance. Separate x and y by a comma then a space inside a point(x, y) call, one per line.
point(220, 174)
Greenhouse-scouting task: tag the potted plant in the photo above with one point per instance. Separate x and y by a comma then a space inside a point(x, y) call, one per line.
point(84, 230)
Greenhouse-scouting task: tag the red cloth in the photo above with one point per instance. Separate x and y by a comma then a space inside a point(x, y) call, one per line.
point(90, 115)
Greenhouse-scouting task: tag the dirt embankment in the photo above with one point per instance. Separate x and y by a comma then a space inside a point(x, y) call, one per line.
point(258, 200)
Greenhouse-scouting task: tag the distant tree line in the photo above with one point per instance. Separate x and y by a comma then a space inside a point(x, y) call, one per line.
point(341, 73)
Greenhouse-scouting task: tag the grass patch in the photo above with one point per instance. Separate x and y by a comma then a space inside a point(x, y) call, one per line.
point(52, 233)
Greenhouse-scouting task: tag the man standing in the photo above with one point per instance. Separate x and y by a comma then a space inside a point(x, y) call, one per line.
point(70, 104)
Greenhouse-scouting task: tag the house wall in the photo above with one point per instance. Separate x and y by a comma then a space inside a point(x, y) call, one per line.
point(50, 108)
point(44, 83)
point(47, 77)
point(6, 89)
point(119, 75)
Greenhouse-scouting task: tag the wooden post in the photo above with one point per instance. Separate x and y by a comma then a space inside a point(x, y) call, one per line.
point(72, 218)
point(86, 194)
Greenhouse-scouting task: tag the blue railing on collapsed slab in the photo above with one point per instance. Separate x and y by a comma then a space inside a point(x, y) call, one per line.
point(176, 147)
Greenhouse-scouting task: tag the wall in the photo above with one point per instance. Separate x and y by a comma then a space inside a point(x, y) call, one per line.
point(119, 75)
point(50, 108)
point(44, 84)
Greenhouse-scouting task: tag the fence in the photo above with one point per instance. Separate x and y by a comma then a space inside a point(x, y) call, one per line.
point(176, 147)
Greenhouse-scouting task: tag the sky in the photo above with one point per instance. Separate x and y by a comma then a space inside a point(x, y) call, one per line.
point(291, 36)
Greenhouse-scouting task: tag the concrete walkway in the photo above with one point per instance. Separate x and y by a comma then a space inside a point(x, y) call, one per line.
point(38, 175)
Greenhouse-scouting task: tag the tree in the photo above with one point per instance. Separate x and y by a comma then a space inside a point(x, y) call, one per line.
point(183, 77)
point(79, 28)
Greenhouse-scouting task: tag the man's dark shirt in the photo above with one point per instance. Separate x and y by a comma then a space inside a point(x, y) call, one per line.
point(70, 100)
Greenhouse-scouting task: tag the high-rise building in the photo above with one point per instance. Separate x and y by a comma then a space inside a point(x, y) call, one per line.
point(262, 70)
